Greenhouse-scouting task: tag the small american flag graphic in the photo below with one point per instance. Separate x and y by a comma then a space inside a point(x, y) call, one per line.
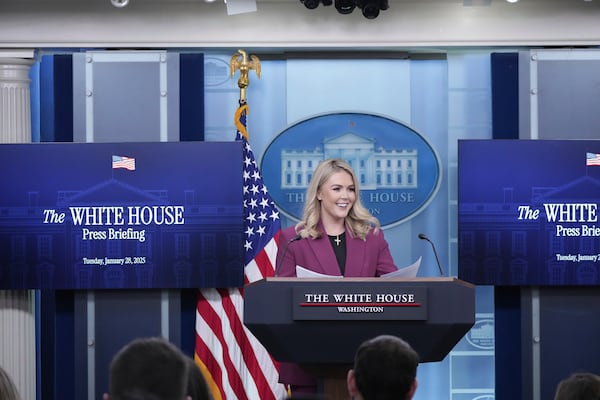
point(123, 162)
point(592, 159)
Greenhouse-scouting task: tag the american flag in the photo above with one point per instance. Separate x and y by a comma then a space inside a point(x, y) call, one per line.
point(592, 159)
point(235, 364)
point(123, 162)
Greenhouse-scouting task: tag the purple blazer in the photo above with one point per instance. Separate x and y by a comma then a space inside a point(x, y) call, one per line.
point(364, 258)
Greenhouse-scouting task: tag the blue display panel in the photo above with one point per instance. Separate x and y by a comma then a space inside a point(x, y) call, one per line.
point(121, 215)
point(528, 212)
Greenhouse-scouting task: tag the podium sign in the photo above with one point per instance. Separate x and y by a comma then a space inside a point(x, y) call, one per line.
point(294, 328)
point(381, 302)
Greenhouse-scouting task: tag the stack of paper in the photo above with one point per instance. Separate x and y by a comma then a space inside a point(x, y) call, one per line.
point(406, 272)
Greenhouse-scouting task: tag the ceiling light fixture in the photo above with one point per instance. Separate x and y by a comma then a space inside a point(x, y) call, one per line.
point(240, 6)
point(370, 8)
point(312, 4)
point(345, 6)
point(119, 3)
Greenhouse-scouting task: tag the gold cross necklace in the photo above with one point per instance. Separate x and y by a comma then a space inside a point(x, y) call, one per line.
point(337, 240)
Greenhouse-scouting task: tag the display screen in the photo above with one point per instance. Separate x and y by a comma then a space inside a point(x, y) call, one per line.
point(121, 215)
point(528, 212)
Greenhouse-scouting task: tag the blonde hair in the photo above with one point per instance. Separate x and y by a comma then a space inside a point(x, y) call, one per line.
point(8, 390)
point(359, 220)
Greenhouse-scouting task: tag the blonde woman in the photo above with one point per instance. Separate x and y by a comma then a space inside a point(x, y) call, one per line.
point(336, 236)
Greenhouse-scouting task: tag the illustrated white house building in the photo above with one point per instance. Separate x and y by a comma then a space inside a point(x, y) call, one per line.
point(375, 168)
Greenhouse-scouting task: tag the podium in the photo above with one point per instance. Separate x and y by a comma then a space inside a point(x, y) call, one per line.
point(319, 323)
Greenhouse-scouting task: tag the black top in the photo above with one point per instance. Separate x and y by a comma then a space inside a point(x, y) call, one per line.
point(339, 248)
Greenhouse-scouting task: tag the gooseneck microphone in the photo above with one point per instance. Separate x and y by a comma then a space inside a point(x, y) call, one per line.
point(285, 249)
point(423, 236)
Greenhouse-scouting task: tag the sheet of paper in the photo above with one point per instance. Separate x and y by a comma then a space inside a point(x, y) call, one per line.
point(406, 272)
point(302, 272)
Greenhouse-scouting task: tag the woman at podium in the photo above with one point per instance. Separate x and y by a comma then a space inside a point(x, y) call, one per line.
point(336, 237)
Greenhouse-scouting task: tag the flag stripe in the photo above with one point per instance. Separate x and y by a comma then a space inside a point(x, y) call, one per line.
point(264, 263)
point(233, 306)
point(230, 333)
point(220, 346)
point(208, 347)
point(212, 385)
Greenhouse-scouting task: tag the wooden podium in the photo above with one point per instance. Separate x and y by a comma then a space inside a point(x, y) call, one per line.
point(319, 323)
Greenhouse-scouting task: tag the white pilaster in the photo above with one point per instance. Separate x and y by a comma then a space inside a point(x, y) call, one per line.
point(15, 106)
point(17, 307)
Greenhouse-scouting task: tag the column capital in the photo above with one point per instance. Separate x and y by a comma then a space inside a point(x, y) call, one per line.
point(14, 71)
point(16, 61)
point(15, 109)
point(17, 53)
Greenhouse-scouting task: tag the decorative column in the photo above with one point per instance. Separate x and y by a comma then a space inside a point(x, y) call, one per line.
point(17, 307)
point(15, 107)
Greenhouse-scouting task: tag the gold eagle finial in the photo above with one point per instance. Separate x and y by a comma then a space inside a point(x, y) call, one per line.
point(240, 61)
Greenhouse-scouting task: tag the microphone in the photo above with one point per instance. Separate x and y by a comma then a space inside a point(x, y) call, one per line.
point(423, 236)
point(292, 240)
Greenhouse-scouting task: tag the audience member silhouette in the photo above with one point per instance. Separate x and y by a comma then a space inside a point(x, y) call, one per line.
point(197, 387)
point(385, 368)
point(579, 386)
point(8, 390)
point(148, 368)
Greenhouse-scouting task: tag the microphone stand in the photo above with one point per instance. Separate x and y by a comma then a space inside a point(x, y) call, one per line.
point(422, 236)
point(295, 238)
